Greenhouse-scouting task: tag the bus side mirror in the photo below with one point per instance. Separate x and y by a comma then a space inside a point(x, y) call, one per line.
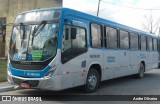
point(73, 33)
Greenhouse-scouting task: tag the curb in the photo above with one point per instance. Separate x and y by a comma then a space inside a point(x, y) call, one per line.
point(8, 88)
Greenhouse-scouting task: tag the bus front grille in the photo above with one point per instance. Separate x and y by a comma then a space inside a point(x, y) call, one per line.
point(28, 67)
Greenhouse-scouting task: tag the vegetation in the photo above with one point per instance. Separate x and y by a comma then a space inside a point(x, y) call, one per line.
point(3, 70)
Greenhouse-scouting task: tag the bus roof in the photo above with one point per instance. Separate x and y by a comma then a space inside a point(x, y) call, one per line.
point(93, 19)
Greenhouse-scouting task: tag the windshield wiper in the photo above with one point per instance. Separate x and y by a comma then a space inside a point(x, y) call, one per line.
point(38, 29)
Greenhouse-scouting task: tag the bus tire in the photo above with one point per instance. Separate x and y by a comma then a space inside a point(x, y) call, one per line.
point(92, 81)
point(141, 70)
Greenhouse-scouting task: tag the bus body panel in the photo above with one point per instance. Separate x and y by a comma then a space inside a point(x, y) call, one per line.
point(115, 64)
point(134, 65)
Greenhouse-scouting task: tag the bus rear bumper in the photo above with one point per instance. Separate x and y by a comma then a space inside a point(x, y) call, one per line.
point(53, 83)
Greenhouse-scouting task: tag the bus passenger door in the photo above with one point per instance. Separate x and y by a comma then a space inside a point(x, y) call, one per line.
point(73, 56)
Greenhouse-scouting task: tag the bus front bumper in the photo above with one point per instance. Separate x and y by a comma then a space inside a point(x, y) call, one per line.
point(52, 83)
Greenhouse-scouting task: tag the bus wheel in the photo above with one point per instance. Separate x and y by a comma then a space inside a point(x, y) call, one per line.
point(140, 74)
point(93, 80)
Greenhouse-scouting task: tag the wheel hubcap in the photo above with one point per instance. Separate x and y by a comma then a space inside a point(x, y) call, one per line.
point(92, 81)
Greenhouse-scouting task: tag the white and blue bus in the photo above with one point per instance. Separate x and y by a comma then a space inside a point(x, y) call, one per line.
point(60, 48)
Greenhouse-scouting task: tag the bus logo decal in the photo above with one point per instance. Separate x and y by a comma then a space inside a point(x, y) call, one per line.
point(111, 59)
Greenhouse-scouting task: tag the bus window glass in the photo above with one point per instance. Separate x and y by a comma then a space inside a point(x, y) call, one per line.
point(155, 44)
point(133, 41)
point(34, 46)
point(78, 42)
point(150, 44)
point(143, 43)
point(95, 35)
point(124, 40)
point(111, 37)
point(38, 16)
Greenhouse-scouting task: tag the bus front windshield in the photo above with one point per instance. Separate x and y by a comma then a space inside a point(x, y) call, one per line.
point(34, 42)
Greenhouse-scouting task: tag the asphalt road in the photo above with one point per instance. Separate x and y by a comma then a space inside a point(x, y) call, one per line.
point(129, 85)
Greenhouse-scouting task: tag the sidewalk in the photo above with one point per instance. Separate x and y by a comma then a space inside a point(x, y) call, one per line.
point(5, 86)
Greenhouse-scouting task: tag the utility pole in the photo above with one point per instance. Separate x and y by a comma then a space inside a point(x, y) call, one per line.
point(98, 7)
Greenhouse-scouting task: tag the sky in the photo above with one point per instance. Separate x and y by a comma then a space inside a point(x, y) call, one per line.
point(128, 12)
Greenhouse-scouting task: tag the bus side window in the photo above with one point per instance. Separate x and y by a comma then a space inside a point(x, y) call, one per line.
point(155, 44)
point(78, 42)
point(133, 41)
point(124, 40)
point(143, 43)
point(96, 36)
point(111, 38)
point(149, 44)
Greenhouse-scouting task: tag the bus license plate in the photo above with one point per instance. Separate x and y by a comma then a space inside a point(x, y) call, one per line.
point(25, 85)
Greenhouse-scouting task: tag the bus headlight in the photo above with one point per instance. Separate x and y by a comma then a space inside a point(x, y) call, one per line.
point(50, 72)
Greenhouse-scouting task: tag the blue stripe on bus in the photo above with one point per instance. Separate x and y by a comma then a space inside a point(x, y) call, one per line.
point(29, 73)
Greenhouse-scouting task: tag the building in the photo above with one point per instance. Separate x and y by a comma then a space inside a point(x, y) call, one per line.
point(10, 8)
